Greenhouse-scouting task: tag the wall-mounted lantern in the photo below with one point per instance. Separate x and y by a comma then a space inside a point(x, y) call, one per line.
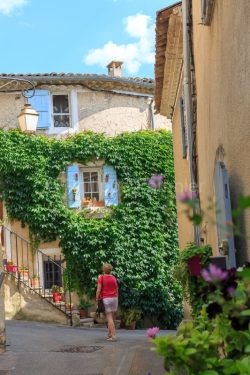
point(28, 118)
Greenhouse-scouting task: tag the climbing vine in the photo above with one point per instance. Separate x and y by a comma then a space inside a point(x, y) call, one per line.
point(139, 238)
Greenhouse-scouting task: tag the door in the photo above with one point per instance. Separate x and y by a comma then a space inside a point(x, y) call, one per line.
point(52, 273)
point(223, 210)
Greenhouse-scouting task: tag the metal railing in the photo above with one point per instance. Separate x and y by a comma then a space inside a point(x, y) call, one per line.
point(41, 273)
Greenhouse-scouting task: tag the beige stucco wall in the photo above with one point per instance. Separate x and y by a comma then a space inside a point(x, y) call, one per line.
point(222, 61)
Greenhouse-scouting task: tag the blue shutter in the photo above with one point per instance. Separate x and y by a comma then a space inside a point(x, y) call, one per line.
point(223, 209)
point(40, 102)
point(110, 186)
point(74, 200)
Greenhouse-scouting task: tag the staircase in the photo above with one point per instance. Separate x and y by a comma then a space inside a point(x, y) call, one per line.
point(42, 274)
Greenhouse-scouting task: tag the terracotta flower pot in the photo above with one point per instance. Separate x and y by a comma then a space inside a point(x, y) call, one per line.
point(35, 283)
point(83, 313)
point(194, 265)
point(131, 325)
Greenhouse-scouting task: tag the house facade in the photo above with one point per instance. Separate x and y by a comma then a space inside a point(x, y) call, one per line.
point(202, 84)
point(69, 104)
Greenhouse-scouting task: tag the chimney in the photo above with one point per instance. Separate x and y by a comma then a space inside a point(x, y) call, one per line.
point(115, 69)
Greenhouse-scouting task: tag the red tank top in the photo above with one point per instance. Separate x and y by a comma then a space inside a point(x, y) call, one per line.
point(109, 286)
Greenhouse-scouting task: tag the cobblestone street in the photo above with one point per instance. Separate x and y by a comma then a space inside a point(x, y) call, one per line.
point(46, 349)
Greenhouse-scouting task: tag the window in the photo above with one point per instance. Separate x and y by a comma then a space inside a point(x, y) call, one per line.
point(58, 112)
point(52, 274)
point(207, 8)
point(91, 186)
point(61, 111)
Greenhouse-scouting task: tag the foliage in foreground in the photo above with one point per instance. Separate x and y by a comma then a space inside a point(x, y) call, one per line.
point(218, 341)
point(139, 238)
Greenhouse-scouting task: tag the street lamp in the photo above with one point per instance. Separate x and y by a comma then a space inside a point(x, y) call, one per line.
point(28, 117)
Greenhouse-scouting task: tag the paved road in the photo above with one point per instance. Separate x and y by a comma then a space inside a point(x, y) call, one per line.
point(46, 349)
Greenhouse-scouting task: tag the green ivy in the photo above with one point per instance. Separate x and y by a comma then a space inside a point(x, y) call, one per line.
point(139, 238)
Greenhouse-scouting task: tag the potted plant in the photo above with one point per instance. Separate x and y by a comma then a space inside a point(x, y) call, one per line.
point(35, 281)
point(196, 256)
point(24, 271)
point(11, 266)
point(83, 308)
point(97, 203)
point(130, 317)
point(56, 291)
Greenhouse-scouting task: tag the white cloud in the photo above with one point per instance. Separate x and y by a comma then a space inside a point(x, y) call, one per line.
point(134, 54)
point(7, 6)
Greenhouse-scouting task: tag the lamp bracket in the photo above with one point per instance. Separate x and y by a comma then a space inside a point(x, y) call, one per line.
point(15, 84)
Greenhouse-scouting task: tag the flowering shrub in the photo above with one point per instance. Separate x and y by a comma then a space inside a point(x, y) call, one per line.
point(218, 341)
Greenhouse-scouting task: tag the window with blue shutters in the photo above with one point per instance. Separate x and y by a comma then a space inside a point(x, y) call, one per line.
point(41, 103)
point(91, 187)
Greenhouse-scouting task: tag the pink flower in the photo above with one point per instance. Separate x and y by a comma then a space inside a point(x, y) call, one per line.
point(156, 181)
point(213, 274)
point(151, 332)
point(187, 195)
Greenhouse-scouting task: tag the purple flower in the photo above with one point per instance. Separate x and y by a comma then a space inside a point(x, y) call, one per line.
point(151, 332)
point(156, 181)
point(213, 274)
point(187, 195)
point(230, 290)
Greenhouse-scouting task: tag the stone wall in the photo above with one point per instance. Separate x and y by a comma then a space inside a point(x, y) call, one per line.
point(103, 112)
point(24, 304)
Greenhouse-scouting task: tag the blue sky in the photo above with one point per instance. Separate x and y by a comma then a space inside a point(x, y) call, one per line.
point(78, 36)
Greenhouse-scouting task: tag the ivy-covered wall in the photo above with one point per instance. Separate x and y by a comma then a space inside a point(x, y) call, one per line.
point(140, 236)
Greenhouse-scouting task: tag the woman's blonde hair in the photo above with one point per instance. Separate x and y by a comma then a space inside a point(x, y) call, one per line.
point(107, 268)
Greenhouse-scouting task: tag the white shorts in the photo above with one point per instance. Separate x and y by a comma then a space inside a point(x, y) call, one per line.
point(110, 304)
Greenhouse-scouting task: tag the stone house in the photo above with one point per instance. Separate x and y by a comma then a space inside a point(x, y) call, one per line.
point(69, 104)
point(202, 84)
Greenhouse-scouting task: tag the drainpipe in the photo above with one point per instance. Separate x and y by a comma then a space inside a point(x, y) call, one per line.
point(188, 99)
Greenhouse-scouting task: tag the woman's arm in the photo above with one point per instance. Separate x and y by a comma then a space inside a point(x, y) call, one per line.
point(98, 291)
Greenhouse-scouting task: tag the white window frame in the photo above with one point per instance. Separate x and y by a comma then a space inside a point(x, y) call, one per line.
point(73, 113)
point(100, 184)
point(52, 95)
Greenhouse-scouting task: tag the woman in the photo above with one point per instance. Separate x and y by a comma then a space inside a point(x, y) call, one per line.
point(107, 289)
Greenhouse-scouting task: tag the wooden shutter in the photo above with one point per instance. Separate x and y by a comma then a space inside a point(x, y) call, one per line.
point(110, 186)
point(73, 184)
point(40, 102)
point(223, 209)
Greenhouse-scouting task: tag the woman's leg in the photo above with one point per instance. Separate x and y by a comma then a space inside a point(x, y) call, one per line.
point(111, 325)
